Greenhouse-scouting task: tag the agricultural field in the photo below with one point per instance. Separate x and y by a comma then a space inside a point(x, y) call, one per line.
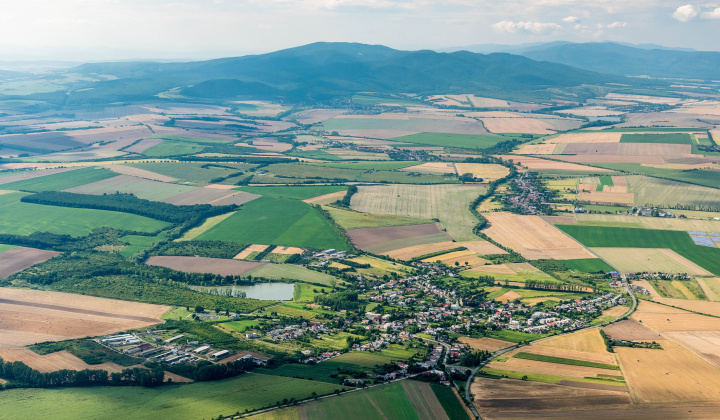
point(298, 193)
point(204, 265)
point(447, 203)
point(384, 239)
point(33, 316)
point(20, 218)
point(640, 260)
point(62, 180)
point(140, 187)
point(589, 265)
point(292, 272)
point(16, 259)
point(191, 172)
point(532, 237)
point(245, 392)
point(350, 219)
point(276, 221)
point(297, 173)
point(658, 223)
point(661, 192)
point(511, 272)
point(679, 242)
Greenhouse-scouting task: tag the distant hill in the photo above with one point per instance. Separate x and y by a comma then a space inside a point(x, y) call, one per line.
point(521, 49)
point(327, 70)
point(624, 60)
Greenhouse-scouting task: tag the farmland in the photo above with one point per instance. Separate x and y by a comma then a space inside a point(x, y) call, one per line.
point(447, 203)
point(140, 187)
point(464, 141)
point(679, 242)
point(276, 221)
point(16, 259)
point(298, 193)
point(25, 218)
point(62, 180)
point(637, 260)
point(384, 239)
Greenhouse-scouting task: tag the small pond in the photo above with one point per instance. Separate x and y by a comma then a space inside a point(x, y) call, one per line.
point(261, 291)
point(606, 118)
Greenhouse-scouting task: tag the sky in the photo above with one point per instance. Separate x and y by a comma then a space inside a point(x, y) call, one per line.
point(98, 30)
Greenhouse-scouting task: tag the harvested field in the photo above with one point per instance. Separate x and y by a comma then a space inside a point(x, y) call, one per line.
point(660, 223)
point(140, 173)
point(315, 116)
point(419, 250)
point(507, 297)
point(701, 306)
point(658, 260)
point(518, 125)
point(537, 164)
point(705, 344)
point(605, 137)
point(587, 341)
point(33, 316)
point(512, 398)
point(537, 149)
point(630, 329)
point(495, 269)
point(589, 159)
point(465, 258)
point(627, 149)
point(54, 361)
point(249, 250)
point(615, 311)
point(482, 247)
point(326, 198)
point(213, 196)
point(33, 174)
point(287, 250)
point(602, 197)
point(488, 172)
point(441, 167)
point(17, 259)
point(384, 239)
point(662, 318)
point(545, 368)
point(711, 287)
point(485, 343)
point(404, 122)
point(533, 237)
point(204, 265)
point(267, 144)
point(673, 374)
point(142, 188)
point(596, 357)
point(448, 203)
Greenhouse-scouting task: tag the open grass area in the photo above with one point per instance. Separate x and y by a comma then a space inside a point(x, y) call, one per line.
point(550, 379)
point(365, 166)
point(4, 247)
point(138, 243)
point(367, 359)
point(277, 221)
point(671, 138)
point(62, 180)
point(450, 402)
point(193, 401)
point(513, 336)
point(174, 148)
point(240, 326)
point(564, 361)
point(465, 141)
point(88, 351)
point(304, 292)
point(292, 272)
point(680, 242)
point(25, 218)
point(298, 193)
point(349, 219)
point(322, 372)
point(588, 265)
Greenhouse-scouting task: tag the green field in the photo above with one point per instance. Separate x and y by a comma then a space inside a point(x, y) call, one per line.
point(277, 221)
point(671, 138)
point(696, 176)
point(202, 400)
point(62, 180)
point(240, 326)
point(564, 361)
point(320, 372)
point(349, 219)
point(173, 148)
point(304, 292)
point(550, 379)
point(314, 154)
point(4, 247)
point(465, 141)
point(137, 243)
point(662, 192)
point(449, 401)
point(513, 336)
point(366, 359)
point(365, 166)
point(283, 173)
point(25, 218)
point(298, 193)
point(292, 272)
point(588, 265)
point(678, 241)
point(192, 172)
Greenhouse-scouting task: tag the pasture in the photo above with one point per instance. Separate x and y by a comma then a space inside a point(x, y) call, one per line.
point(246, 392)
point(277, 221)
point(33, 316)
point(532, 237)
point(448, 203)
point(679, 242)
point(20, 218)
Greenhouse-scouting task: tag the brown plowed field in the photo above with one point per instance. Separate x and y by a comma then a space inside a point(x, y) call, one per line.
point(485, 343)
point(17, 259)
point(533, 237)
point(369, 237)
point(32, 316)
point(204, 265)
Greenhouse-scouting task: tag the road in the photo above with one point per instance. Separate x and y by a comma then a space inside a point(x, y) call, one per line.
point(468, 397)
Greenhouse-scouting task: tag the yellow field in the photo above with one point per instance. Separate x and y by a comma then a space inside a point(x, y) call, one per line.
point(705, 344)
point(287, 250)
point(609, 137)
point(441, 167)
point(249, 250)
point(535, 164)
point(536, 149)
point(518, 125)
point(536, 300)
point(419, 250)
point(507, 297)
point(586, 341)
point(684, 290)
point(673, 374)
point(662, 318)
point(448, 203)
point(533, 237)
point(485, 343)
point(701, 306)
point(482, 247)
point(545, 368)
point(711, 287)
point(326, 198)
point(486, 171)
point(465, 258)
point(659, 223)
point(566, 187)
point(656, 260)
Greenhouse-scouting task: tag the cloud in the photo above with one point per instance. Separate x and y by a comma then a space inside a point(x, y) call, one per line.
point(617, 25)
point(570, 19)
point(686, 13)
point(713, 14)
point(533, 27)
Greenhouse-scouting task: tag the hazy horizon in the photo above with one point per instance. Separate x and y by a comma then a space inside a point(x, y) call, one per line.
point(84, 30)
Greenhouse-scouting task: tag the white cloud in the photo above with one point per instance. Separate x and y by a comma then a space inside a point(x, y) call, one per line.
point(534, 27)
point(713, 14)
point(686, 13)
point(617, 25)
point(570, 19)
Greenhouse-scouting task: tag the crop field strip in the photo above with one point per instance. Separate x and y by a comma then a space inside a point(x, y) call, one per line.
point(564, 361)
point(17, 259)
point(382, 238)
point(140, 187)
point(60, 181)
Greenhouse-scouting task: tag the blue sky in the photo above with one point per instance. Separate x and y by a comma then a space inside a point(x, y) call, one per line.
point(121, 29)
